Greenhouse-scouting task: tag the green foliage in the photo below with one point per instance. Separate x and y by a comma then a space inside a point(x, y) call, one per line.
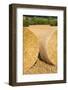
point(53, 21)
point(26, 21)
point(39, 21)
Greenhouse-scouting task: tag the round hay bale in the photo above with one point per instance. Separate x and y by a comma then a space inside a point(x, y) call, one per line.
point(48, 49)
point(31, 49)
point(51, 48)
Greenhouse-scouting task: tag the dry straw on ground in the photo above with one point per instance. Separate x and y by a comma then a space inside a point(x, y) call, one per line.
point(41, 67)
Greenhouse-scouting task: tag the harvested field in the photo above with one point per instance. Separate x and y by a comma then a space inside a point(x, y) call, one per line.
point(46, 47)
point(41, 67)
